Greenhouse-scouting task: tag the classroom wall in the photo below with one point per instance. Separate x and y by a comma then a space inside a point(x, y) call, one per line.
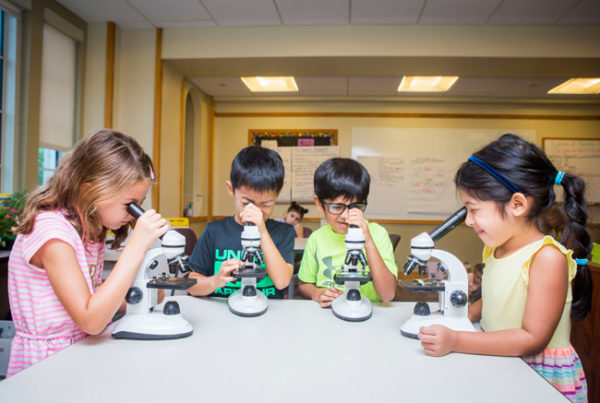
point(134, 85)
point(231, 134)
point(133, 103)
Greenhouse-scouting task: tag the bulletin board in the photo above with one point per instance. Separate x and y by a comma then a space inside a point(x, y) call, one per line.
point(412, 169)
point(294, 138)
point(577, 156)
point(302, 151)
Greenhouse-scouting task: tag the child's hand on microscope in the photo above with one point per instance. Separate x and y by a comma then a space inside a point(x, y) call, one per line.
point(356, 217)
point(148, 227)
point(253, 214)
point(224, 276)
point(325, 296)
point(437, 340)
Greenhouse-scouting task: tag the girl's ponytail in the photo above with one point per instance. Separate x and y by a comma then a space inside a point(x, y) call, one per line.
point(576, 237)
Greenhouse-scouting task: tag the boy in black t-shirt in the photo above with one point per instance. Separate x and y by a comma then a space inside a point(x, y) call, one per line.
point(255, 181)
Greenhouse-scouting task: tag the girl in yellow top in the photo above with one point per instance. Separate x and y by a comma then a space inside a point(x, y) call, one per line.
point(527, 301)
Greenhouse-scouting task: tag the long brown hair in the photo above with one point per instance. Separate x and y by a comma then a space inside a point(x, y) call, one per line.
point(105, 162)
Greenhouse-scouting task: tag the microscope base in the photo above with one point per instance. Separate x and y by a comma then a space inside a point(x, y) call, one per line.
point(411, 327)
point(152, 326)
point(352, 311)
point(247, 306)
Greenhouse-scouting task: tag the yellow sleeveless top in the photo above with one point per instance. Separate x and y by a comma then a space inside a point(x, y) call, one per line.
point(504, 290)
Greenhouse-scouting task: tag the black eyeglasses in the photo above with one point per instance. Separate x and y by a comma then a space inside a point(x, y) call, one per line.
point(339, 208)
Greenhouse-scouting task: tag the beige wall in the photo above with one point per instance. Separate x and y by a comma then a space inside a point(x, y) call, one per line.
point(134, 85)
point(231, 134)
point(172, 163)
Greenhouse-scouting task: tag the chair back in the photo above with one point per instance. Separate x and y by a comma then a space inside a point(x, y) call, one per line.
point(190, 239)
point(395, 238)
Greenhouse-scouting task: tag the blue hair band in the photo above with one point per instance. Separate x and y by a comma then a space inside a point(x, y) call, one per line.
point(559, 177)
point(581, 262)
point(501, 178)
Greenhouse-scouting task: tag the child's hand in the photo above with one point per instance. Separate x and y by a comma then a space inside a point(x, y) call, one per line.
point(224, 276)
point(356, 217)
point(437, 340)
point(253, 214)
point(325, 296)
point(148, 227)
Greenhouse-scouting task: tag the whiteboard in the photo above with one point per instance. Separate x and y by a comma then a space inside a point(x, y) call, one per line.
point(412, 169)
point(580, 157)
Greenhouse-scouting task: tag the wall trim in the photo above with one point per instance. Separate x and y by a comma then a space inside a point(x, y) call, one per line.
point(211, 150)
point(182, 118)
point(405, 115)
point(157, 118)
point(109, 83)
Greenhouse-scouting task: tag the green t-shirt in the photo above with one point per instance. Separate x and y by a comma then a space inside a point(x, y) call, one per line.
point(325, 253)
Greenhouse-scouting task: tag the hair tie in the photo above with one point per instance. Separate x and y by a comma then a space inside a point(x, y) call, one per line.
point(151, 174)
point(581, 262)
point(501, 178)
point(559, 177)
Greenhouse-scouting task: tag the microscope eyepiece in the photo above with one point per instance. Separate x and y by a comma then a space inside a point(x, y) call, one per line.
point(448, 225)
point(135, 210)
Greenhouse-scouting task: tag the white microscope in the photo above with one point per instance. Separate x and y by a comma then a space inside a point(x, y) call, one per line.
point(452, 292)
point(141, 321)
point(351, 305)
point(248, 300)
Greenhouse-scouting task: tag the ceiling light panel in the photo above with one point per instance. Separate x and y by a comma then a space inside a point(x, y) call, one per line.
point(426, 83)
point(271, 84)
point(578, 86)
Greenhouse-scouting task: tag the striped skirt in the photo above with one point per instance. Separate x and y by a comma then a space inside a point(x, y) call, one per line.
point(562, 368)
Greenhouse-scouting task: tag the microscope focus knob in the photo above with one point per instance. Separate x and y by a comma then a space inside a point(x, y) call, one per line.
point(171, 308)
point(458, 298)
point(134, 295)
point(353, 295)
point(249, 291)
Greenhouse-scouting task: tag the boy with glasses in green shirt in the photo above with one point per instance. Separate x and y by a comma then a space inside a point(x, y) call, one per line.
point(341, 191)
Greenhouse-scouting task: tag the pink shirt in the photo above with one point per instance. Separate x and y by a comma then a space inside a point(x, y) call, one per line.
point(42, 324)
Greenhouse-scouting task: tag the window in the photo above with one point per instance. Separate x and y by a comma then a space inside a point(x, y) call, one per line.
point(8, 81)
point(57, 103)
point(47, 162)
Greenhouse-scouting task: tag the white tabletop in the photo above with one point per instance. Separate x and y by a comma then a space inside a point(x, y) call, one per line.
point(299, 244)
point(295, 352)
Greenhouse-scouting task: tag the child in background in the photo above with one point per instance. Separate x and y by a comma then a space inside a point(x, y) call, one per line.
point(475, 274)
point(256, 179)
point(55, 268)
point(341, 191)
point(552, 222)
point(527, 301)
point(294, 215)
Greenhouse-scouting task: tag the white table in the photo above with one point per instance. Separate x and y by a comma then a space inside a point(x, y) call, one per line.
point(299, 244)
point(295, 352)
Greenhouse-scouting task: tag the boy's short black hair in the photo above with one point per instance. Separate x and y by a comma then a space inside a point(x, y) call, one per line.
point(257, 168)
point(342, 177)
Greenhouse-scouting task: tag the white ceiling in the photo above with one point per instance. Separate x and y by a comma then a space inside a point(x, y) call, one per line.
point(144, 14)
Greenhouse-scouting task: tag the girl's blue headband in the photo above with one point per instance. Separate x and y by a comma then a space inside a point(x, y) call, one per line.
point(501, 178)
point(558, 178)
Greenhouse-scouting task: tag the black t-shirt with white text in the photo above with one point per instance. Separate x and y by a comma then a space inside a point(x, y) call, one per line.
point(221, 241)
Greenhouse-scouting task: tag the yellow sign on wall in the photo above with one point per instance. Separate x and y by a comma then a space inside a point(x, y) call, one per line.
point(178, 222)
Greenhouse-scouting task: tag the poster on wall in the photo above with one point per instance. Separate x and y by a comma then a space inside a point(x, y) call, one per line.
point(301, 151)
